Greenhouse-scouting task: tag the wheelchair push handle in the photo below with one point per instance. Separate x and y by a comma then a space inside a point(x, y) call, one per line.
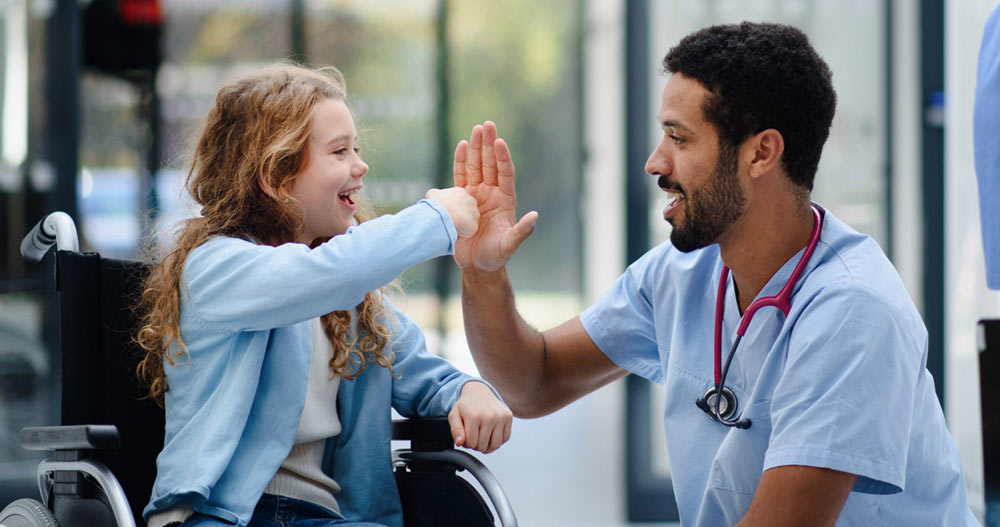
point(56, 229)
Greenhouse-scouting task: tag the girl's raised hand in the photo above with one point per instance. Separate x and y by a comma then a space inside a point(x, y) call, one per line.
point(461, 206)
point(479, 420)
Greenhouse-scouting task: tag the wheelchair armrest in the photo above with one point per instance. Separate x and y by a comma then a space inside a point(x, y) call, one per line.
point(77, 437)
point(431, 443)
point(63, 474)
point(476, 468)
point(425, 434)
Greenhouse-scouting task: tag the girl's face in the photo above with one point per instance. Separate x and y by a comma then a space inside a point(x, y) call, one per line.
point(332, 173)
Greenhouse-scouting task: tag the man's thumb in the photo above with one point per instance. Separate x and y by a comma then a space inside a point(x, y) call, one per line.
point(520, 232)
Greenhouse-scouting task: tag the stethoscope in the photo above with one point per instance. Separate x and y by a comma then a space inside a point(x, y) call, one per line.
point(723, 409)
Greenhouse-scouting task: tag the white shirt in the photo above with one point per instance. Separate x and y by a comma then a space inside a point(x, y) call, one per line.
point(300, 475)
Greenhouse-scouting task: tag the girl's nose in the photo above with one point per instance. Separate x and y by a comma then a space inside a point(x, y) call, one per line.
point(360, 168)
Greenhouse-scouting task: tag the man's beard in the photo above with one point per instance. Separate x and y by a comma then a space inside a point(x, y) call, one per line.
point(711, 209)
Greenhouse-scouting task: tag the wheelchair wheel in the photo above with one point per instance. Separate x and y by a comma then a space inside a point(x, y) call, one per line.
point(27, 513)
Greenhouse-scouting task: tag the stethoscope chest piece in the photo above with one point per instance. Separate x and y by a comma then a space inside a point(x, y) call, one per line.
point(726, 406)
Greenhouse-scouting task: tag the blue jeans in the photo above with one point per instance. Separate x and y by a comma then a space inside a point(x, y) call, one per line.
point(280, 511)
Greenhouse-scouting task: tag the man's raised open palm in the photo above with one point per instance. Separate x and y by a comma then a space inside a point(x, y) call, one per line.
point(484, 168)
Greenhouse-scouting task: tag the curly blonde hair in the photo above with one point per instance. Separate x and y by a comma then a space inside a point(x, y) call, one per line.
point(252, 145)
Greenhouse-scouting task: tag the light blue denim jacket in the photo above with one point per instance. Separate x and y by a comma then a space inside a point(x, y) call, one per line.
point(359, 458)
point(235, 399)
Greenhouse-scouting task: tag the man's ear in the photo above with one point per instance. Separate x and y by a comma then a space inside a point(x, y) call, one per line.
point(766, 148)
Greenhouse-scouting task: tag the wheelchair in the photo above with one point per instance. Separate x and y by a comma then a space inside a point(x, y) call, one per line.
point(105, 449)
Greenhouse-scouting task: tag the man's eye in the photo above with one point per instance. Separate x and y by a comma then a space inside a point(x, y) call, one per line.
point(675, 139)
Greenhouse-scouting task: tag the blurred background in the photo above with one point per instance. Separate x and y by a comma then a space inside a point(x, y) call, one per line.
point(100, 100)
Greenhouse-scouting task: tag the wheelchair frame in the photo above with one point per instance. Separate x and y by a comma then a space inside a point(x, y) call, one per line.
point(432, 451)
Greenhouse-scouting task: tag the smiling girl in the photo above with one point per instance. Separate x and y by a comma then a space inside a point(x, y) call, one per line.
point(267, 340)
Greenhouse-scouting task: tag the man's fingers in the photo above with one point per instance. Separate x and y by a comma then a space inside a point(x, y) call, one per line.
point(474, 161)
point(457, 428)
point(489, 158)
point(461, 153)
point(504, 167)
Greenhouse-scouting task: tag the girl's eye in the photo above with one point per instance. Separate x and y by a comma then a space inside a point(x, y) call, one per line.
point(340, 151)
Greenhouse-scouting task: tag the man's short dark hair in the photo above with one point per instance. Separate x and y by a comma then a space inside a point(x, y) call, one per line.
point(762, 76)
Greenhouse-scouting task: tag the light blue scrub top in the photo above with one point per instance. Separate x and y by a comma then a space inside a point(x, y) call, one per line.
point(842, 383)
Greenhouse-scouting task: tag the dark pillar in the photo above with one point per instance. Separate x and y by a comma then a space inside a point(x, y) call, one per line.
point(649, 496)
point(932, 142)
point(298, 31)
point(442, 266)
point(62, 93)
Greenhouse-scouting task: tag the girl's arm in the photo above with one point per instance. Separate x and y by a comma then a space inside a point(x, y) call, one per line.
point(238, 285)
point(426, 385)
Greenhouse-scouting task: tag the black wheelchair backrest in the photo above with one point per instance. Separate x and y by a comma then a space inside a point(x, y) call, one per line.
point(97, 300)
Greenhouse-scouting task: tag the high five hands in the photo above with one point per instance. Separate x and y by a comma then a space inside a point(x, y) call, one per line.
point(484, 168)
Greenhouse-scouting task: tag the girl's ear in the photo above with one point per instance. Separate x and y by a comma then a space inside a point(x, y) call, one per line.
point(266, 187)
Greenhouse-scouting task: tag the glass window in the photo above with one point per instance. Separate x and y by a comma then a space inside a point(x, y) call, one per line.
point(29, 375)
point(517, 63)
point(850, 36)
point(29, 369)
point(112, 143)
point(522, 73)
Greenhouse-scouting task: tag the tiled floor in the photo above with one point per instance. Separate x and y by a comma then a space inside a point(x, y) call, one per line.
point(567, 469)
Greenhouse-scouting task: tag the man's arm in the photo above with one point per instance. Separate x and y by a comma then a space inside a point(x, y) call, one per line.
point(536, 373)
point(797, 495)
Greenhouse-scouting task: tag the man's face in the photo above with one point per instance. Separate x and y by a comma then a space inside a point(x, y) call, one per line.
point(691, 167)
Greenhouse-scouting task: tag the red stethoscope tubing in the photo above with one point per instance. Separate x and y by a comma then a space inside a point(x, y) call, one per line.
point(781, 301)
